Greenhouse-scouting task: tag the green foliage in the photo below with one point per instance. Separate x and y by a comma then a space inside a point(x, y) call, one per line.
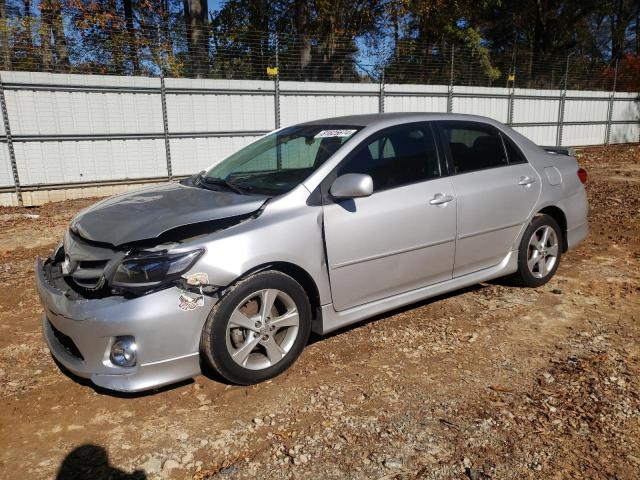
point(420, 41)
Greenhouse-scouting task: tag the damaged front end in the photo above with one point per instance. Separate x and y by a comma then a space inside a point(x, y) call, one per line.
point(87, 269)
point(137, 242)
point(129, 317)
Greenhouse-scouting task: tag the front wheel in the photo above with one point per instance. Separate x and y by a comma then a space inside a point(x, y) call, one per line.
point(540, 251)
point(258, 328)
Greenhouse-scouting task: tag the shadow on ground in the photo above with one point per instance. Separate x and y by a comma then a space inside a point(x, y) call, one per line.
point(91, 462)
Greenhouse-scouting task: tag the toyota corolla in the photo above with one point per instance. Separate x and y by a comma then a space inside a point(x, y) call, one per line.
point(312, 227)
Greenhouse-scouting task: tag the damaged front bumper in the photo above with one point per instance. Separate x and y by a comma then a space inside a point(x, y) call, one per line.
point(80, 333)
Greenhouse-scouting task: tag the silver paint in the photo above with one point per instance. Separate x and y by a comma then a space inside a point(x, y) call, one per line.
point(147, 213)
point(352, 185)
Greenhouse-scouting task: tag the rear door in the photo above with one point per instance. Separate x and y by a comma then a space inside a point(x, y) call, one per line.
point(495, 196)
point(400, 238)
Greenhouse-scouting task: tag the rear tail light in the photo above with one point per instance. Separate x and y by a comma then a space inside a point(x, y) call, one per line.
point(582, 175)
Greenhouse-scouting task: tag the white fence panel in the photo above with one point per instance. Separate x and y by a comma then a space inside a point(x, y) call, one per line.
point(585, 110)
point(6, 176)
point(535, 110)
point(305, 101)
point(421, 102)
point(117, 129)
point(543, 135)
point(42, 112)
point(191, 155)
point(626, 107)
point(89, 161)
point(496, 108)
point(584, 134)
point(407, 103)
point(625, 133)
point(244, 108)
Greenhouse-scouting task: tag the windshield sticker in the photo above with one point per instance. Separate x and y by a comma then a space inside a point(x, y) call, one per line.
point(334, 133)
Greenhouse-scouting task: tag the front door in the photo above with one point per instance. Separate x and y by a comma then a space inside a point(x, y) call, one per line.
point(400, 238)
point(496, 193)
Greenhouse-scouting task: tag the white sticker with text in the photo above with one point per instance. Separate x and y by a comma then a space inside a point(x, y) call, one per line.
point(334, 133)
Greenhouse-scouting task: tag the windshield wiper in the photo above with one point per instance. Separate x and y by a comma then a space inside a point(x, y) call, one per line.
point(219, 182)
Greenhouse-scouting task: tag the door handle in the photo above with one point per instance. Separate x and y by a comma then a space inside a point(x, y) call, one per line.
point(526, 181)
point(440, 199)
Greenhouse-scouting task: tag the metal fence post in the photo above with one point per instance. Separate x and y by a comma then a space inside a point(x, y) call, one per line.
point(276, 85)
point(511, 77)
point(450, 92)
point(165, 125)
point(607, 137)
point(563, 97)
point(276, 100)
point(381, 95)
point(12, 153)
point(510, 106)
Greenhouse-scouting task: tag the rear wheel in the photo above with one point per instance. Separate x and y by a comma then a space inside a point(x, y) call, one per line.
point(540, 251)
point(258, 328)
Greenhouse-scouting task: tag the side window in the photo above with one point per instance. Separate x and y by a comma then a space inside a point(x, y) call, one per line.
point(473, 146)
point(513, 153)
point(396, 157)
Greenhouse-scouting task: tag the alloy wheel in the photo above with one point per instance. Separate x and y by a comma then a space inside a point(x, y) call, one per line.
point(542, 254)
point(262, 329)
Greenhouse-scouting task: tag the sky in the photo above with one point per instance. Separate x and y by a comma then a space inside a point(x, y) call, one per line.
point(216, 4)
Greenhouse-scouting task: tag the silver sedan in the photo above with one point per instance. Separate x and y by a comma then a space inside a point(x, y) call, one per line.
point(311, 227)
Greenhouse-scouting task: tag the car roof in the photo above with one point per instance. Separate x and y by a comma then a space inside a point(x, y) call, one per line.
point(374, 119)
point(377, 121)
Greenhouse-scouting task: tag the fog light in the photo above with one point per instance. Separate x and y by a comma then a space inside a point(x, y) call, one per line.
point(124, 352)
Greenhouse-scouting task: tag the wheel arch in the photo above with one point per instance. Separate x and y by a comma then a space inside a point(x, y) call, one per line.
point(559, 216)
point(300, 275)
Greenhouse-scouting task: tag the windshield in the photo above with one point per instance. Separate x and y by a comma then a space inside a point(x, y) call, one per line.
point(280, 161)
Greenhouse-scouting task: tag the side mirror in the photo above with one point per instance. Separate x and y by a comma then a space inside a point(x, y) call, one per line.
point(352, 185)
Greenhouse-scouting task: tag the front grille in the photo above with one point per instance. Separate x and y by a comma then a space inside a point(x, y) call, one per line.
point(66, 343)
point(84, 264)
point(88, 274)
point(92, 264)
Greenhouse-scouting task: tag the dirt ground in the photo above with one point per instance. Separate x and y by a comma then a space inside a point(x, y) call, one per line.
point(491, 382)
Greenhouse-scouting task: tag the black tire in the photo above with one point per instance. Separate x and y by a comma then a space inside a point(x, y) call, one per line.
point(213, 342)
point(524, 276)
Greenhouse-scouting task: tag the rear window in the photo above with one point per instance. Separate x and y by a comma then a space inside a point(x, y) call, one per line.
point(513, 153)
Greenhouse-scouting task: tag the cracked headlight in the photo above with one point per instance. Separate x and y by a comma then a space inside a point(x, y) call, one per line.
point(149, 270)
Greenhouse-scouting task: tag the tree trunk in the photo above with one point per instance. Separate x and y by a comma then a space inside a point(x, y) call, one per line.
point(115, 43)
point(45, 33)
point(618, 28)
point(53, 39)
point(57, 28)
point(621, 17)
point(638, 32)
point(165, 40)
point(26, 21)
point(4, 37)
point(132, 44)
point(396, 35)
point(195, 14)
point(423, 39)
point(301, 19)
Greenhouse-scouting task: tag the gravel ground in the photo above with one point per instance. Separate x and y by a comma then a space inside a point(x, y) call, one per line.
point(490, 382)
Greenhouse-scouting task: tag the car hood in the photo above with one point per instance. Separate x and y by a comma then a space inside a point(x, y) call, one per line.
point(146, 214)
